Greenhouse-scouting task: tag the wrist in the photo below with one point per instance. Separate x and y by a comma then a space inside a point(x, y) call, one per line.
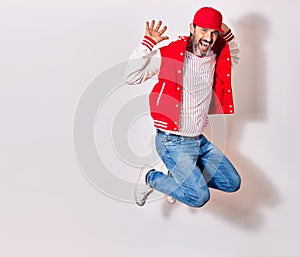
point(227, 35)
point(148, 42)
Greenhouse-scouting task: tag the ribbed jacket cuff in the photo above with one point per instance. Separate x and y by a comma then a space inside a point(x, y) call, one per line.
point(148, 42)
point(228, 36)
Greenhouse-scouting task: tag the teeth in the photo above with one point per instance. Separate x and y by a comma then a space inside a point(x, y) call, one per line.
point(204, 44)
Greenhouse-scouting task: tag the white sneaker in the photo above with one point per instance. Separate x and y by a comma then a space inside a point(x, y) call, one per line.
point(170, 199)
point(142, 189)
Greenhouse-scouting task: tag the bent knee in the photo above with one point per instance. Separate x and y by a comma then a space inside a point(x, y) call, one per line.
point(199, 200)
point(234, 185)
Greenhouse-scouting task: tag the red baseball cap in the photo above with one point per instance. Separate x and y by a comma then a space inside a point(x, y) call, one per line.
point(208, 17)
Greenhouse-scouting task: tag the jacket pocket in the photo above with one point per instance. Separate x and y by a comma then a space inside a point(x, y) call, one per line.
point(160, 93)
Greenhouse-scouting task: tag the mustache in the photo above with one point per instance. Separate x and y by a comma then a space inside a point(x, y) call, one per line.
point(205, 41)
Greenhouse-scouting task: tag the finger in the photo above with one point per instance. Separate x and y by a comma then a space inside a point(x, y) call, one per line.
point(165, 38)
point(158, 25)
point(163, 30)
point(147, 27)
point(152, 25)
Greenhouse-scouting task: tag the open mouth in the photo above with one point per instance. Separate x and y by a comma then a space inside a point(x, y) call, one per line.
point(204, 45)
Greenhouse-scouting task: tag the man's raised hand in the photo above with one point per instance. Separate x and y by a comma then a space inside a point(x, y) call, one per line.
point(225, 28)
point(155, 32)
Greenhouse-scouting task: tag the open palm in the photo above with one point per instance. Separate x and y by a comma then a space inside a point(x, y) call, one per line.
point(155, 32)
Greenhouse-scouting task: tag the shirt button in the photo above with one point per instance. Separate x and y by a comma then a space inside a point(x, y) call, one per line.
point(175, 122)
point(181, 54)
point(228, 75)
point(230, 110)
point(228, 59)
point(179, 71)
point(178, 88)
point(229, 90)
point(177, 105)
point(230, 106)
point(175, 128)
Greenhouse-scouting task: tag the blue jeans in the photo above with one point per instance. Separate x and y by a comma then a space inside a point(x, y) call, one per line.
point(195, 165)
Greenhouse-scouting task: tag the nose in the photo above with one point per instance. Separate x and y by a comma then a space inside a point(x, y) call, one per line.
point(208, 36)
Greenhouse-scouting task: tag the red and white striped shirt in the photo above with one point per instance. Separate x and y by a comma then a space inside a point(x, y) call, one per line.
point(198, 76)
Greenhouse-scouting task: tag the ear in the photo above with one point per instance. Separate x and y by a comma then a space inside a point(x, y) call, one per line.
point(192, 28)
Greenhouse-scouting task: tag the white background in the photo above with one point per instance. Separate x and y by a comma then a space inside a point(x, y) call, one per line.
point(51, 50)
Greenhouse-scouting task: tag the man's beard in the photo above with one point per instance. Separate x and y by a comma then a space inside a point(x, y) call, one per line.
point(202, 47)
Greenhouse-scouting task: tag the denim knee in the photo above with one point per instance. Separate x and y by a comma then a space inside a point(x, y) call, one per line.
point(198, 200)
point(235, 184)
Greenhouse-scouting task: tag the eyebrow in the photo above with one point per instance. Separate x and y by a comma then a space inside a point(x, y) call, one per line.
point(214, 31)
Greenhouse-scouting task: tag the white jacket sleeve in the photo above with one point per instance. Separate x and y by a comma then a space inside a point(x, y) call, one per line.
point(233, 47)
point(143, 63)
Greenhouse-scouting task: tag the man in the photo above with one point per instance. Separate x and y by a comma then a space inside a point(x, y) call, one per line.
point(194, 80)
